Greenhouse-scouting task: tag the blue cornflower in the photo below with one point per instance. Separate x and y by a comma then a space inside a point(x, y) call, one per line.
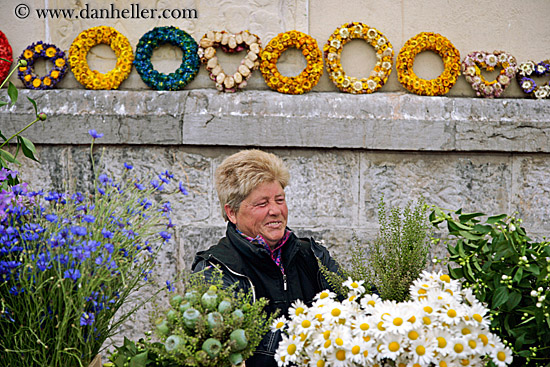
point(73, 274)
point(106, 233)
point(99, 260)
point(77, 198)
point(128, 166)
point(166, 207)
point(100, 190)
point(91, 246)
point(78, 230)
point(14, 291)
point(169, 286)
point(94, 134)
point(183, 190)
point(62, 259)
point(157, 185)
point(168, 174)
point(139, 186)
point(88, 218)
point(146, 203)
point(51, 218)
point(129, 233)
point(87, 318)
point(109, 247)
point(165, 235)
point(104, 179)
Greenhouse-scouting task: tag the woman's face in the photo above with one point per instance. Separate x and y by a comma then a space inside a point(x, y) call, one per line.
point(263, 212)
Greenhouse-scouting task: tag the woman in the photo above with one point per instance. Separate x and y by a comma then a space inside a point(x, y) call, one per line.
point(259, 252)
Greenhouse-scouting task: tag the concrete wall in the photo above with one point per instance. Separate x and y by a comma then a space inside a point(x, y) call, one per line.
point(518, 28)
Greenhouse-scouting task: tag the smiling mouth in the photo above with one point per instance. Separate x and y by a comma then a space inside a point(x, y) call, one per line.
point(273, 224)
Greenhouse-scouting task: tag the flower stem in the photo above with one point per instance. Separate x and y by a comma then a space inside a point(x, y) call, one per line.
point(11, 72)
point(19, 132)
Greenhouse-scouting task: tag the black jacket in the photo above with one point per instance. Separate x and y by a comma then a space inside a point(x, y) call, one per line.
point(252, 268)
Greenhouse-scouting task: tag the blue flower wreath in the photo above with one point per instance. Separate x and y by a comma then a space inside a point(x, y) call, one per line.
point(159, 36)
point(47, 51)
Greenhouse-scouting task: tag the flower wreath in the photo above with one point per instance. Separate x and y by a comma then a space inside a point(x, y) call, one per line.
point(183, 75)
point(471, 70)
point(93, 79)
point(433, 42)
point(527, 84)
point(384, 55)
point(48, 51)
point(230, 43)
point(307, 79)
point(5, 53)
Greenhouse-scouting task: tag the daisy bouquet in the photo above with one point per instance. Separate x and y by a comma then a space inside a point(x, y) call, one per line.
point(442, 325)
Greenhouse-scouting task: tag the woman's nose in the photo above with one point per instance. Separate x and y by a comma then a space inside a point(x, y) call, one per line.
point(274, 208)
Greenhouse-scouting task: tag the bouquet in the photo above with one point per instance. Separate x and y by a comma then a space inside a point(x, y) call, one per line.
point(68, 262)
point(443, 325)
point(206, 325)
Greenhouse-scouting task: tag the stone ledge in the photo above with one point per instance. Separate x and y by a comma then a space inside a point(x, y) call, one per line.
point(380, 121)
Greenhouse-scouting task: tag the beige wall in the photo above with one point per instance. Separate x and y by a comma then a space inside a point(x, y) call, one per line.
point(517, 27)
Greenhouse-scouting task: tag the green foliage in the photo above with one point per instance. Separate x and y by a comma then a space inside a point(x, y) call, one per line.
point(509, 272)
point(206, 325)
point(22, 144)
point(395, 258)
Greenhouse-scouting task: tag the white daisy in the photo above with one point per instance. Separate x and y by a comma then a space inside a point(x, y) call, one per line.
point(361, 325)
point(279, 324)
point(297, 308)
point(422, 351)
point(370, 301)
point(288, 350)
point(458, 348)
point(501, 355)
point(391, 346)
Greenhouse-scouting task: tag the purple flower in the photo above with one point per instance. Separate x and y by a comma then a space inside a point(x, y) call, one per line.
point(73, 274)
point(78, 230)
point(169, 286)
point(88, 218)
point(109, 247)
point(128, 166)
point(165, 235)
point(95, 134)
point(157, 185)
point(51, 218)
point(183, 190)
point(106, 233)
point(87, 318)
point(139, 186)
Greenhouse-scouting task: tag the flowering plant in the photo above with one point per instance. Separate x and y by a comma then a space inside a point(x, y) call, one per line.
point(443, 325)
point(42, 50)
point(438, 44)
point(190, 62)
point(206, 325)
point(93, 79)
point(471, 70)
point(6, 56)
point(26, 146)
point(69, 262)
point(507, 270)
point(307, 79)
point(384, 58)
point(527, 84)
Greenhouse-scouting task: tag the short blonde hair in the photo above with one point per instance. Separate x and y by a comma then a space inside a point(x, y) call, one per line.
point(240, 173)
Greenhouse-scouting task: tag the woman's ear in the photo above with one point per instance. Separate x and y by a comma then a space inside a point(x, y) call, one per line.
point(231, 214)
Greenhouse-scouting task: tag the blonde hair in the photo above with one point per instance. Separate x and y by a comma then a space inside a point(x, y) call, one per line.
point(240, 173)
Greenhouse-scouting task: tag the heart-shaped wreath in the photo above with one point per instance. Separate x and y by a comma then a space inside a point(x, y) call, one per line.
point(7, 54)
point(230, 43)
point(471, 68)
point(524, 77)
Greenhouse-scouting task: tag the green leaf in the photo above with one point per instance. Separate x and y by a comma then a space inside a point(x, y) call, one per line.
point(140, 360)
point(13, 93)
point(470, 236)
point(457, 226)
point(483, 229)
point(533, 268)
point(496, 218)
point(500, 297)
point(29, 150)
point(466, 217)
point(518, 275)
point(469, 273)
point(33, 104)
point(8, 156)
point(2, 136)
point(3, 103)
point(513, 300)
point(456, 273)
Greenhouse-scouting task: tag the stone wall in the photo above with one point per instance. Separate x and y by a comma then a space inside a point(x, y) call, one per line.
point(344, 152)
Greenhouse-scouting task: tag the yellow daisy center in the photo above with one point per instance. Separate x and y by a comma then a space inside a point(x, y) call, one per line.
point(398, 321)
point(341, 355)
point(356, 349)
point(413, 335)
point(501, 356)
point(393, 346)
point(420, 350)
point(291, 349)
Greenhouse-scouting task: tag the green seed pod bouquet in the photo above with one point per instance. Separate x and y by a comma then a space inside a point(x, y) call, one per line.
point(205, 325)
